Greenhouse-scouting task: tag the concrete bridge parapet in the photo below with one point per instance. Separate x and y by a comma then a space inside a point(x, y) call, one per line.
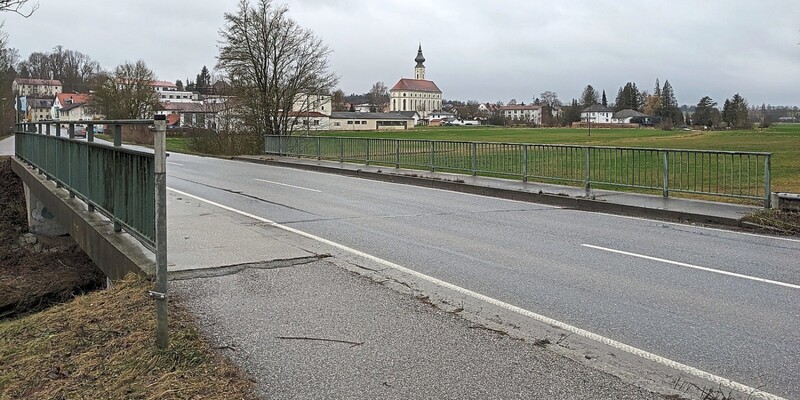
point(52, 212)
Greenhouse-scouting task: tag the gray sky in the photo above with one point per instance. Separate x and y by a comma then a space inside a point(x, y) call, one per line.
point(475, 50)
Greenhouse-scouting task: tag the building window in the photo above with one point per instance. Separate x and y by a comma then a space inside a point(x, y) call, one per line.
point(349, 122)
point(363, 122)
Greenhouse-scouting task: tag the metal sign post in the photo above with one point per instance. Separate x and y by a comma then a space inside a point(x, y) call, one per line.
point(160, 291)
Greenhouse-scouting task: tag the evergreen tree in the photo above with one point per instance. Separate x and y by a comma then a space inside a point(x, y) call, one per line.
point(706, 112)
point(572, 113)
point(589, 97)
point(738, 113)
point(727, 113)
point(669, 110)
point(179, 84)
point(629, 97)
point(604, 102)
point(203, 80)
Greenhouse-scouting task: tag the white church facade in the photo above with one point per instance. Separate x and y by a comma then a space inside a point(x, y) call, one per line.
point(418, 94)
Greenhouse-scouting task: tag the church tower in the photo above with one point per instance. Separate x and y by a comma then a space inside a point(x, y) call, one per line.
point(419, 70)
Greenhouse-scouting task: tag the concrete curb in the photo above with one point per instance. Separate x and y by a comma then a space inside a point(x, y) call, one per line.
point(575, 203)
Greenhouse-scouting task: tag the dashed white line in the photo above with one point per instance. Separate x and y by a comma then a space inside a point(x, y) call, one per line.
point(718, 380)
point(287, 185)
point(681, 264)
point(174, 163)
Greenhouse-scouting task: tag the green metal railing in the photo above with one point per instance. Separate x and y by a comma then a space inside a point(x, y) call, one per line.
point(716, 173)
point(127, 186)
point(113, 180)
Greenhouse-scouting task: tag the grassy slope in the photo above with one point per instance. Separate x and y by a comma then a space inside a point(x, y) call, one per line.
point(101, 345)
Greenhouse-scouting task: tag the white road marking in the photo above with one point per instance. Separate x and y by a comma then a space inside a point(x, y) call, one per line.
point(717, 380)
point(174, 163)
point(291, 186)
point(716, 271)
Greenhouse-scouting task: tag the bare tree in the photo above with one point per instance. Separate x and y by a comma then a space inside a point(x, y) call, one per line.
point(272, 62)
point(74, 69)
point(126, 93)
point(19, 7)
point(378, 97)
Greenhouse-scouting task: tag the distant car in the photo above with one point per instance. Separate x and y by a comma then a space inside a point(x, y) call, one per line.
point(80, 131)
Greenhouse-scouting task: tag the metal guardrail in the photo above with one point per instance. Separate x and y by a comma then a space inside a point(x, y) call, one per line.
point(112, 180)
point(127, 186)
point(716, 173)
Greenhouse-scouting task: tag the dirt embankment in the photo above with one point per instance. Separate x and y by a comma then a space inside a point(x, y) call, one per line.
point(36, 271)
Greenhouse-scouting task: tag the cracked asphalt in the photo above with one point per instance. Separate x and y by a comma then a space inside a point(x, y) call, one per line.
point(282, 326)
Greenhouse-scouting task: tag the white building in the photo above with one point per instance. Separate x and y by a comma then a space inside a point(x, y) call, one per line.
point(39, 88)
point(168, 93)
point(522, 114)
point(416, 94)
point(597, 114)
point(627, 116)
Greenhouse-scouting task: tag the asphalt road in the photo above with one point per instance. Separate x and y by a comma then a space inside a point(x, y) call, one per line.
point(584, 269)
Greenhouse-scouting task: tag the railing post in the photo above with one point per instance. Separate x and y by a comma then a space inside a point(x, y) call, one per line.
point(768, 181)
point(397, 153)
point(90, 132)
point(525, 163)
point(119, 201)
point(89, 171)
point(665, 191)
point(366, 160)
point(117, 135)
point(474, 163)
point(160, 291)
point(319, 148)
point(341, 150)
point(71, 131)
point(47, 129)
point(588, 184)
point(433, 155)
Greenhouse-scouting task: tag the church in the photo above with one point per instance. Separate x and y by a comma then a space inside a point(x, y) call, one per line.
point(418, 94)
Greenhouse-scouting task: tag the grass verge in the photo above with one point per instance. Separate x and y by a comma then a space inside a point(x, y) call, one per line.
point(784, 222)
point(101, 345)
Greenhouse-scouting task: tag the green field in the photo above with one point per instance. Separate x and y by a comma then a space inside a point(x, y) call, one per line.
point(783, 141)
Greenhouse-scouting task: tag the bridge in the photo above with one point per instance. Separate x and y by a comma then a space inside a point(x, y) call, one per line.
point(435, 217)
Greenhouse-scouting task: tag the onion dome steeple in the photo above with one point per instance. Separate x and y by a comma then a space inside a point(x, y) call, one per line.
point(419, 70)
point(420, 58)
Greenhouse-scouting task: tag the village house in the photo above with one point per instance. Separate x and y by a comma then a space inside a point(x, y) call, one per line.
point(597, 114)
point(522, 114)
point(168, 93)
point(39, 88)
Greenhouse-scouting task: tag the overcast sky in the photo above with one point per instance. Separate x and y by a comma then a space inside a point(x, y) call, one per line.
point(476, 50)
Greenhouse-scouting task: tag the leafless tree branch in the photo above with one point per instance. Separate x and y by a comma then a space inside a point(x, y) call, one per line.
point(18, 7)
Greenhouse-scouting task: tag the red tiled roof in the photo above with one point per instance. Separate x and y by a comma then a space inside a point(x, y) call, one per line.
point(76, 98)
point(416, 85)
point(48, 82)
